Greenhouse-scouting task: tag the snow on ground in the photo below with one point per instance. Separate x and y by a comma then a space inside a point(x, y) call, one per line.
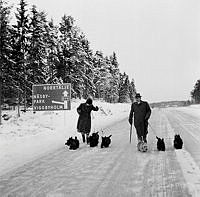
point(29, 136)
point(190, 169)
point(192, 110)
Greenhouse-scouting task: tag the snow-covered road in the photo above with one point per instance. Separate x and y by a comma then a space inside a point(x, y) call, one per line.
point(189, 128)
point(116, 171)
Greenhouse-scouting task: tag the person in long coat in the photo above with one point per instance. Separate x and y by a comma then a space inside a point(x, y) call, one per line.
point(142, 112)
point(84, 120)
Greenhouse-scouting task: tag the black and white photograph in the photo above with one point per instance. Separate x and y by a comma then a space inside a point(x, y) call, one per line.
point(99, 98)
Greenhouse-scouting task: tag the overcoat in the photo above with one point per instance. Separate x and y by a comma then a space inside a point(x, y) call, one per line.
point(142, 113)
point(84, 120)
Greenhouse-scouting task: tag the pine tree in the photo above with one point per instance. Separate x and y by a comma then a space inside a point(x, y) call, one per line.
point(5, 51)
point(124, 96)
point(71, 65)
point(64, 46)
point(51, 40)
point(114, 83)
point(196, 92)
point(86, 60)
point(132, 90)
point(102, 76)
point(20, 49)
point(109, 81)
point(36, 57)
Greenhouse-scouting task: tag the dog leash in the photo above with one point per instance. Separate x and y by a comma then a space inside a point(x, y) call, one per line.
point(152, 129)
point(103, 132)
point(155, 132)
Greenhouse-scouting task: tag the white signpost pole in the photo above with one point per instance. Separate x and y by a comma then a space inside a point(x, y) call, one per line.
point(65, 94)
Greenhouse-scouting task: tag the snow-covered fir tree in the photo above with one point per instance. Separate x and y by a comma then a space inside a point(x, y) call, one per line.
point(36, 57)
point(70, 64)
point(51, 40)
point(132, 90)
point(19, 40)
point(102, 75)
point(124, 94)
point(196, 92)
point(86, 61)
point(6, 73)
point(114, 83)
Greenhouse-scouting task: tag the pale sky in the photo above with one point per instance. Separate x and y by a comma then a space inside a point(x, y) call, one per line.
point(157, 42)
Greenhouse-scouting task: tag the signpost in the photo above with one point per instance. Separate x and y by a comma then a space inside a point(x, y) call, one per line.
point(49, 97)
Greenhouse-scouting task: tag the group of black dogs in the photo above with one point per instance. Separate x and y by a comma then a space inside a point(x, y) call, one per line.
point(93, 140)
point(73, 143)
point(177, 143)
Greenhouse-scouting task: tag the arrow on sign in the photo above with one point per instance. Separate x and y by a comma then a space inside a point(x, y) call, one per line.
point(58, 102)
point(65, 93)
point(62, 103)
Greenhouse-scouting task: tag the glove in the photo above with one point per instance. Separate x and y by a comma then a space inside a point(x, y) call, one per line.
point(79, 111)
point(130, 121)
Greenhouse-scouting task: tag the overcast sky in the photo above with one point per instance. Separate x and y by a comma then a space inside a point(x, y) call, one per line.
point(157, 42)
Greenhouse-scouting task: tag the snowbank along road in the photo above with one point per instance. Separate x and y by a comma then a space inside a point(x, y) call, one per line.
point(119, 170)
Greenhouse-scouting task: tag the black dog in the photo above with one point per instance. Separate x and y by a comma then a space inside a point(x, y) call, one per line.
point(72, 143)
point(94, 139)
point(105, 141)
point(160, 144)
point(178, 142)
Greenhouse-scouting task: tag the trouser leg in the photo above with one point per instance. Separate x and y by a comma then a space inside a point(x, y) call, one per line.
point(145, 137)
point(140, 131)
point(83, 137)
point(87, 138)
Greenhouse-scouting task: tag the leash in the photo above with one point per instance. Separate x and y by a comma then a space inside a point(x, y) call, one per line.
point(103, 132)
point(155, 132)
point(152, 129)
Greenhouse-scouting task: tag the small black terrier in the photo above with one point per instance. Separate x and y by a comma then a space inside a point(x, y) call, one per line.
point(160, 144)
point(178, 142)
point(105, 141)
point(94, 139)
point(72, 143)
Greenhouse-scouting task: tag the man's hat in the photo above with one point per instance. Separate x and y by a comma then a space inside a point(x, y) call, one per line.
point(138, 95)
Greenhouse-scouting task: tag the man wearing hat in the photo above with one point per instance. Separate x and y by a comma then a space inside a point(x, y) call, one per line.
point(142, 112)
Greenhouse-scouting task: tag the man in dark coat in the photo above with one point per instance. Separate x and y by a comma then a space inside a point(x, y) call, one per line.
point(142, 112)
point(84, 120)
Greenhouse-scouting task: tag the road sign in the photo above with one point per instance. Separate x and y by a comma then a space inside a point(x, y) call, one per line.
point(47, 97)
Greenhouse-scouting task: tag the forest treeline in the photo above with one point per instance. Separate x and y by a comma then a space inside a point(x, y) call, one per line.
point(195, 93)
point(34, 50)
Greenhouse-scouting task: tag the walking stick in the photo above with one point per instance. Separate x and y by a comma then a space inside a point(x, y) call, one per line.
point(130, 133)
